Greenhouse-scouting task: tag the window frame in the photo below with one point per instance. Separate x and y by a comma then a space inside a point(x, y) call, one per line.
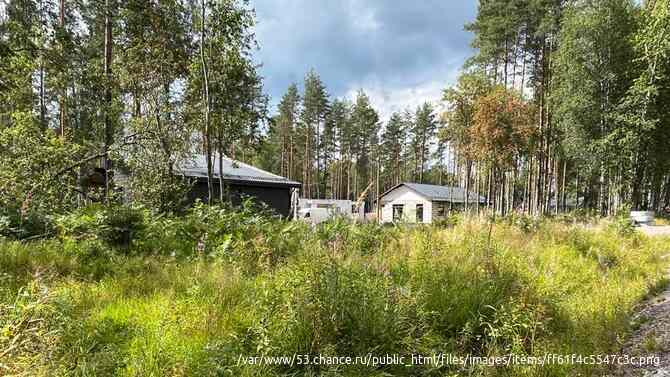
point(397, 211)
point(419, 213)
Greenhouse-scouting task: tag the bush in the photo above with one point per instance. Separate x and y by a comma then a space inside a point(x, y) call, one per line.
point(579, 216)
point(31, 224)
point(622, 225)
point(115, 225)
point(449, 221)
point(31, 162)
point(342, 234)
point(526, 224)
point(321, 304)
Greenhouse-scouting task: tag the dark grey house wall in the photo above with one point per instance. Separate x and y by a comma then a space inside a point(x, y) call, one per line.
point(277, 198)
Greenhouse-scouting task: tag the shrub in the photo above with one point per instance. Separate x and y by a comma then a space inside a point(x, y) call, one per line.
point(121, 224)
point(31, 224)
point(449, 221)
point(321, 305)
point(116, 225)
point(342, 234)
point(622, 225)
point(579, 216)
point(526, 224)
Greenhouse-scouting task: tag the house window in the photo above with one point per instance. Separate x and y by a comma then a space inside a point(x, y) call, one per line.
point(419, 213)
point(397, 212)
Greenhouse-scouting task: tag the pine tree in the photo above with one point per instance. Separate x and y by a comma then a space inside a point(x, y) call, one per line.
point(314, 110)
point(365, 126)
point(423, 132)
point(392, 142)
point(286, 122)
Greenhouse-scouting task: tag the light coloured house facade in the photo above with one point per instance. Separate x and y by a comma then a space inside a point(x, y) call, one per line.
point(420, 203)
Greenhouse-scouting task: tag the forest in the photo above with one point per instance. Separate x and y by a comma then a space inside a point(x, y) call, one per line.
point(562, 107)
point(563, 102)
point(560, 119)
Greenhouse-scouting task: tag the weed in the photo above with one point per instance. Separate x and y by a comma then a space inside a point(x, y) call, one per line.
point(163, 295)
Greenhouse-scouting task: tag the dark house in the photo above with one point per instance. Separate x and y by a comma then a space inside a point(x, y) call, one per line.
point(242, 181)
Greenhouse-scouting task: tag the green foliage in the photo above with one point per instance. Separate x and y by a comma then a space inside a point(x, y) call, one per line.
point(422, 134)
point(450, 221)
point(579, 216)
point(242, 283)
point(341, 234)
point(593, 55)
point(22, 226)
point(623, 225)
point(458, 120)
point(34, 179)
point(115, 225)
point(525, 223)
point(247, 236)
point(329, 307)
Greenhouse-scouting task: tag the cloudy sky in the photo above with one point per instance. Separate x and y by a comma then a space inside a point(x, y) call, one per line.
point(400, 52)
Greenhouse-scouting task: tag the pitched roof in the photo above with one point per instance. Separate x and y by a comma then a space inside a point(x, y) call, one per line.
point(233, 170)
point(440, 193)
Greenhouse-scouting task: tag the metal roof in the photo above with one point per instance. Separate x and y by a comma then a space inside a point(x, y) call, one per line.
point(440, 193)
point(233, 170)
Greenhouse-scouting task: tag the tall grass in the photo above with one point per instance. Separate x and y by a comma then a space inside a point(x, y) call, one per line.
point(189, 295)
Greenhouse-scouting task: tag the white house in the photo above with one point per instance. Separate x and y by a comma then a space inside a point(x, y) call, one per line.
point(419, 203)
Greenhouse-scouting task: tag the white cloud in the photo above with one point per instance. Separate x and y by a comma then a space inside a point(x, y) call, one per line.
point(401, 53)
point(363, 18)
point(387, 99)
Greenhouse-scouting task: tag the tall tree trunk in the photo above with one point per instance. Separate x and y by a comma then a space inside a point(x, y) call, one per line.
point(349, 174)
point(61, 99)
point(220, 157)
point(207, 104)
point(290, 172)
point(478, 185)
point(526, 184)
point(638, 178)
point(565, 169)
point(506, 62)
point(490, 199)
point(109, 132)
point(517, 40)
point(307, 164)
point(43, 108)
point(317, 142)
point(377, 191)
point(556, 193)
point(468, 169)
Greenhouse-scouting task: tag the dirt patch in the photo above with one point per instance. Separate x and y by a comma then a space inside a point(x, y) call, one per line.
point(651, 337)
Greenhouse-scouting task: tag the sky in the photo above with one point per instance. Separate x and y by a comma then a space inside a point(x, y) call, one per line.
point(401, 53)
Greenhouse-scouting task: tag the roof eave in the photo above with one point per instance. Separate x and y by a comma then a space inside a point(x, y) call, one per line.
point(249, 182)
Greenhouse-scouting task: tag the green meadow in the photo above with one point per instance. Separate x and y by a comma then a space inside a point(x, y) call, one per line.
point(121, 292)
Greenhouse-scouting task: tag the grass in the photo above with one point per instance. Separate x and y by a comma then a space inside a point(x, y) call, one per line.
point(651, 344)
point(188, 296)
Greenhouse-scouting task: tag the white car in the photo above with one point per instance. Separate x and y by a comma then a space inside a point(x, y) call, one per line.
point(642, 217)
